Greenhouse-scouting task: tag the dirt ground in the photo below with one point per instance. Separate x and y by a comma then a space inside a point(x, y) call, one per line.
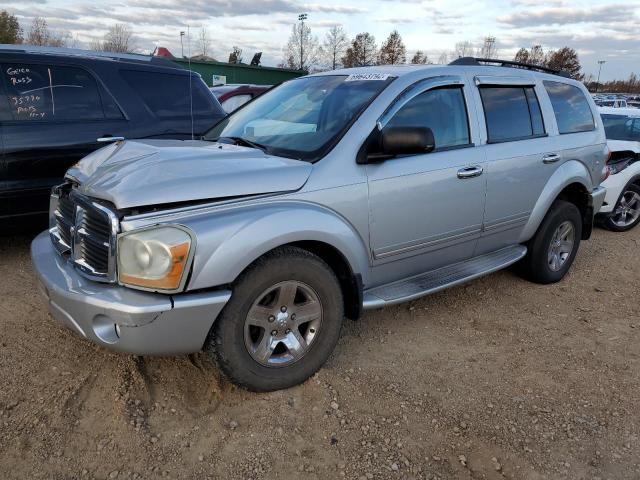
point(496, 379)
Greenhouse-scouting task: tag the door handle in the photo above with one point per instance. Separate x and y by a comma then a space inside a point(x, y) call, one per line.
point(470, 172)
point(106, 139)
point(551, 158)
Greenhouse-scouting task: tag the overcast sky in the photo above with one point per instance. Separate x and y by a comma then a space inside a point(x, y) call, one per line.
point(597, 29)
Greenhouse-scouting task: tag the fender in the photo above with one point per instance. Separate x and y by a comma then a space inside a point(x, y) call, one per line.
point(569, 172)
point(229, 241)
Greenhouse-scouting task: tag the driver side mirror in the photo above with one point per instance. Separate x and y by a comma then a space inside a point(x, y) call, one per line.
point(406, 140)
point(394, 141)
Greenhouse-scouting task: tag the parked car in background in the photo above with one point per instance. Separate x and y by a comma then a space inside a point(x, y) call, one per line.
point(332, 193)
point(233, 96)
point(58, 105)
point(612, 102)
point(621, 208)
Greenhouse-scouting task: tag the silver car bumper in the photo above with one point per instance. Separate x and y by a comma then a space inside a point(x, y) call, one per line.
point(120, 318)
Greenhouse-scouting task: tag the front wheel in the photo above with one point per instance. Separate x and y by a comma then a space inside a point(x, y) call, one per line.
point(282, 322)
point(555, 244)
point(626, 213)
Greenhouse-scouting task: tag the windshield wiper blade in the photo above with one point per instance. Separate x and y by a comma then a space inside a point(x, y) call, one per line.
point(246, 143)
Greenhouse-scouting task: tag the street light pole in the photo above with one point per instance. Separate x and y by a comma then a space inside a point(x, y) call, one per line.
point(600, 62)
point(302, 17)
point(182, 44)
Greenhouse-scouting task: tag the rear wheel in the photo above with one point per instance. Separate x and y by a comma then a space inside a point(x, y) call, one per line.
point(626, 213)
point(281, 323)
point(555, 244)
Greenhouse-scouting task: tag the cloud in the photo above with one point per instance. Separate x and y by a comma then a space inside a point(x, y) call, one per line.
point(564, 16)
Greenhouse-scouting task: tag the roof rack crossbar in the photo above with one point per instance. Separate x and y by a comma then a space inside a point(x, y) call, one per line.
point(508, 63)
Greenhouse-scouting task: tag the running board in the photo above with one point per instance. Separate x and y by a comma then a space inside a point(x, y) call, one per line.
point(445, 277)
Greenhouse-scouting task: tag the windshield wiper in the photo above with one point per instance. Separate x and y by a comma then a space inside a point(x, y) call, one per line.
point(245, 142)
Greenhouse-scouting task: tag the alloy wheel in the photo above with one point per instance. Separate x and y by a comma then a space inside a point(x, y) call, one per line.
point(282, 323)
point(628, 209)
point(561, 246)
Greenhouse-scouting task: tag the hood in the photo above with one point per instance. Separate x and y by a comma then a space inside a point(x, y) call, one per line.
point(154, 172)
point(623, 145)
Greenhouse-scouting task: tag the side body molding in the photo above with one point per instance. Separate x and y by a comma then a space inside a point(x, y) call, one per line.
point(568, 173)
point(230, 240)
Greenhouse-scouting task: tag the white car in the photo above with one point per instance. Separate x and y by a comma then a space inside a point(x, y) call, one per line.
point(612, 102)
point(621, 208)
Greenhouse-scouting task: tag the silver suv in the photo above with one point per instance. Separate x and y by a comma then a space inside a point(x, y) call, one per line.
point(329, 195)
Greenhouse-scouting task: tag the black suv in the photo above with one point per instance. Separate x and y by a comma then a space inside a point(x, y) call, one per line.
point(58, 105)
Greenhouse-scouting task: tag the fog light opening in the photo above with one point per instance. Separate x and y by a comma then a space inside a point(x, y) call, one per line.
point(106, 329)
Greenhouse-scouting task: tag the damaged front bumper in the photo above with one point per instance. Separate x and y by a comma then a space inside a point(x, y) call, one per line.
point(119, 318)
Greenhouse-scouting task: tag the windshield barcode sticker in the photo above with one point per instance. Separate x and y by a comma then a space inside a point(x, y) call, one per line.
point(359, 77)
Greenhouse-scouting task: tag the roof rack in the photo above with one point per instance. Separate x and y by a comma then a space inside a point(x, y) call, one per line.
point(508, 63)
point(132, 57)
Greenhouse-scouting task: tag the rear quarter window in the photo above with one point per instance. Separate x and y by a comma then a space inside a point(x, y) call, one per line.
point(571, 108)
point(167, 95)
point(38, 92)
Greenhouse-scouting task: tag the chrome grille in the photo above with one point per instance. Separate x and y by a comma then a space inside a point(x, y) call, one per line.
point(85, 230)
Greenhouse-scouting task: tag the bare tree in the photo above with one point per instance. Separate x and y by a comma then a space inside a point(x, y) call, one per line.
point(334, 46)
point(362, 52)
point(204, 42)
point(10, 31)
point(522, 56)
point(536, 55)
point(119, 38)
point(236, 55)
point(420, 58)
point(488, 49)
point(392, 51)
point(39, 34)
point(443, 59)
point(565, 59)
point(464, 49)
point(301, 40)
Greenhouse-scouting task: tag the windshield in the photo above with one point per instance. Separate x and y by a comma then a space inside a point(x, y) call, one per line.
point(621, 127)
point(303, 118)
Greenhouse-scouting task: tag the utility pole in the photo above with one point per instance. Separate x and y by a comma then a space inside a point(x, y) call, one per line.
point(182, 44)
point(302, 17)
point(600, 62)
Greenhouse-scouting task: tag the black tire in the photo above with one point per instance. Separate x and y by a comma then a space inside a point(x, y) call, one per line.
point(226, 341)
point(609, 222)
point(536, 266)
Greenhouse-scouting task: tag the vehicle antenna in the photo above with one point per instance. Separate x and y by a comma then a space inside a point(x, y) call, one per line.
point(190, 79)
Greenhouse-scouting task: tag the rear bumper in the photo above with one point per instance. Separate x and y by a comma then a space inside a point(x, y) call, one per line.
point(120, 318)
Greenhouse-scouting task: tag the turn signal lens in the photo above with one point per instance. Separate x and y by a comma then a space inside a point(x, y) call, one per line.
point(154, 259)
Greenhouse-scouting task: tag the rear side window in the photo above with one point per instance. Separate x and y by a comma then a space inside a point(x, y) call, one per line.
point(443, 111)
point(167, 95)
point(571, 107)
point(621, 127)
point(235, 102)
point(51, 92)
point(511, 113)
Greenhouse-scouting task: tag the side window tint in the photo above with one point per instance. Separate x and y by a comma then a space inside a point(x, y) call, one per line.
point(443, 111)
point(109, 105)
point(75, 95)
point(5, 110)
point(167, 95)
point(42, 92)
point(571, 108)
point(511, 113)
